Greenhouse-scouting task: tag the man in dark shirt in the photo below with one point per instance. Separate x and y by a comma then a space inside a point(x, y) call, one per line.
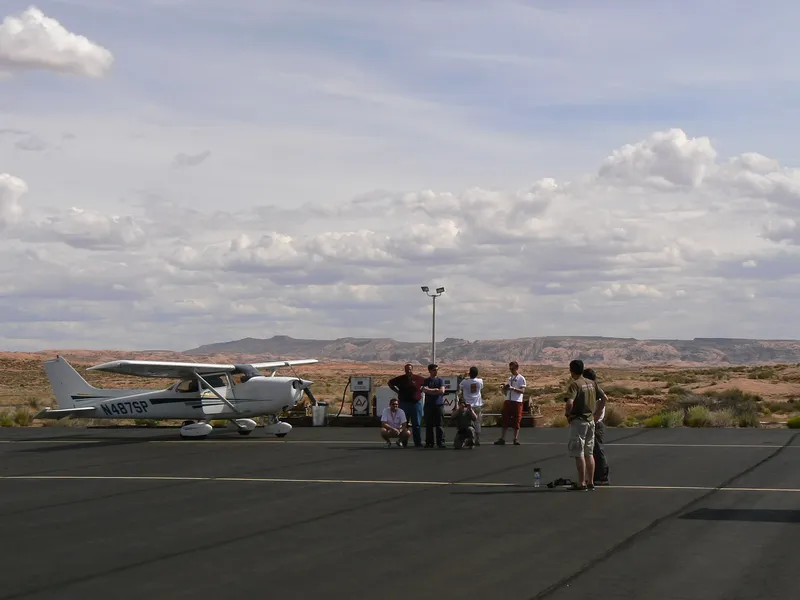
point(433, 388)
point(408, 388)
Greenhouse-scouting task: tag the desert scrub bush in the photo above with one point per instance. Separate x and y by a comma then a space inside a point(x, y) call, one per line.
point(6, 419)
point(679, 390)
point(667, 418)
point(678, 378)
point(763, 373)
point(743, 405)
point(645, 391)
point(618, 390)
point(748, 419)
point(560, 421)
point(698, 416)
point(777, 407)
point(793, 423)
point(23, 416)
point(145, 422)
point(614, 417)
point(723, 418)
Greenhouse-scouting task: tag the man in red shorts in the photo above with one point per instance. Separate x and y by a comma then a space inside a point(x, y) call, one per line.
point(512, 407)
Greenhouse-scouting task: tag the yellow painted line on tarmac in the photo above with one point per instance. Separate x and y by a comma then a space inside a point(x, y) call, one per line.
point(375, 482)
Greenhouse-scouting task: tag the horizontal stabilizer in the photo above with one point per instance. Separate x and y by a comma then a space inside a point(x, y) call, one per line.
point(60, 413)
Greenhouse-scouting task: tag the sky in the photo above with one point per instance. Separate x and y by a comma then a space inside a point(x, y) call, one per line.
point(177, 172)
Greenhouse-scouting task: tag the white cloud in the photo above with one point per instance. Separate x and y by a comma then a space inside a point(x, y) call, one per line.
point(666, 160)
point(590, 256)
point(11, 190)
point(32, 40)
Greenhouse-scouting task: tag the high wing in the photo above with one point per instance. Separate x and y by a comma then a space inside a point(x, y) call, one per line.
point(178, 370)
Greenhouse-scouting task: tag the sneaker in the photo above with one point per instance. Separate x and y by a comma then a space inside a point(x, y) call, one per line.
point(399, 444)
point(576, 488)
point(590, 487)
point(388, 444)
point(500, 442)
point(516, 443)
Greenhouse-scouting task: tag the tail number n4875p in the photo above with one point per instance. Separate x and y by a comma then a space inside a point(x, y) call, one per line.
point(125, 408)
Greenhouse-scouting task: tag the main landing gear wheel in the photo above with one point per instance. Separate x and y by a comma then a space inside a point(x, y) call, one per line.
point(195, 431)
point(243, 426)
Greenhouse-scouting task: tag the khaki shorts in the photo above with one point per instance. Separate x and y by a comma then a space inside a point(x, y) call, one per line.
point(581, 438)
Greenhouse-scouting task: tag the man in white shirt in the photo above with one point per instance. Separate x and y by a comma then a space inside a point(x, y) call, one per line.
point(394, 425)
point(512, 407)
point(471, 394)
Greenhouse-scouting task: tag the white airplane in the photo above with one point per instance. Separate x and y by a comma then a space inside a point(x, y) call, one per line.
point(205, 392)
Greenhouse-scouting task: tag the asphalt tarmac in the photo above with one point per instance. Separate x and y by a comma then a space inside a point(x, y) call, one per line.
point(691, 513)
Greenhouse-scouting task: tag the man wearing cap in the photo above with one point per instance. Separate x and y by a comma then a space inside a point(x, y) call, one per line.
point(433, 388)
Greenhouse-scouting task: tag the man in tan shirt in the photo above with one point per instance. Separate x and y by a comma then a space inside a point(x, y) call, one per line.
point(581, 403)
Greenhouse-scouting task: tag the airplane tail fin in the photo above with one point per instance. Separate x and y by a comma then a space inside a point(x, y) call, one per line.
point(66, 382)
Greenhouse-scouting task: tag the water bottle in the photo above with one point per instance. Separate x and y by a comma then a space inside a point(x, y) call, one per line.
point(537, 475)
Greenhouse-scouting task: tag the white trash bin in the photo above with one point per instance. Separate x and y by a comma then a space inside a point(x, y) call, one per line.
point(319, 414)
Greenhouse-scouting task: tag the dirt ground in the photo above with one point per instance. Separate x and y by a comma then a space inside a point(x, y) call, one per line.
point(635, 393)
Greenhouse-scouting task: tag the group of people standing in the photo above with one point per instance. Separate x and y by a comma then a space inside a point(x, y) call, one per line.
point(585, 407)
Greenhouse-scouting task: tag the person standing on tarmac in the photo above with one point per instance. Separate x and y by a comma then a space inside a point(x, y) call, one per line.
point(600, 460)
point(471, 394)
point(433, 387)
point(408, 388)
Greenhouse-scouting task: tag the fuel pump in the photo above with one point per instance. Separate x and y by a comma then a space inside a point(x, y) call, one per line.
point(361, 388)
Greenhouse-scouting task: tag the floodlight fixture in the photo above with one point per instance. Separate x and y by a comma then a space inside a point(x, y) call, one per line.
point(439, 292)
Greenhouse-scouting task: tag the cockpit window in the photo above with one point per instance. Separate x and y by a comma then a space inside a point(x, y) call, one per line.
point(215, 381)
point(189, 385)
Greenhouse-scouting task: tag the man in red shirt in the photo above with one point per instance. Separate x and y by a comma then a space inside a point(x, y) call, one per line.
point(408, 388)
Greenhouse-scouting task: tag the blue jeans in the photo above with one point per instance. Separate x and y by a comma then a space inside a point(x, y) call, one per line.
point(413, 411)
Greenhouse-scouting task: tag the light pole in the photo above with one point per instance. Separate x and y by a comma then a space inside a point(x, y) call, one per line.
point(439, 292)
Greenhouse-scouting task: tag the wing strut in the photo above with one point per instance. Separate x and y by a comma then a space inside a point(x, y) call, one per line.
point(208, 386)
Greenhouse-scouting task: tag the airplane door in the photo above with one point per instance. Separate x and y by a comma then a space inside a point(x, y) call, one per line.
point(212, 405)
